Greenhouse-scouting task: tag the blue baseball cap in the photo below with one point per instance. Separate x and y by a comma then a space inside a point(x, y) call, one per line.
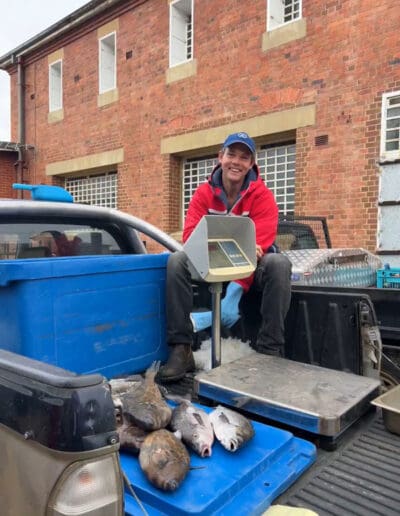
point(240, 138)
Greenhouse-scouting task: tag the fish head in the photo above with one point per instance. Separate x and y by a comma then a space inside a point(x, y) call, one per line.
point(202, 441)
point(170, 476)
point(230, 439)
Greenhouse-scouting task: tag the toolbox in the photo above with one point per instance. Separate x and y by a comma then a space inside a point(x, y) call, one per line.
point(354, 267)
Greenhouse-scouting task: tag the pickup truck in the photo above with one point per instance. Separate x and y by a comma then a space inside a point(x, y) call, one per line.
point(81, 301)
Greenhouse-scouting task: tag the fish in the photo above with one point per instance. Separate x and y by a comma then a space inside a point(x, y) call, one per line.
point(144, 405)
point(131, 437)
point(121, 385)
point(231, 429)
point(164, 460)
point(194, 425)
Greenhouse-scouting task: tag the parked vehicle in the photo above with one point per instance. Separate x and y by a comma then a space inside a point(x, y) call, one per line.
point(81, 300)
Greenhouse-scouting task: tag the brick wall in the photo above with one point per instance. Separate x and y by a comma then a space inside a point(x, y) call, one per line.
point(7, 174)
point(348, 58)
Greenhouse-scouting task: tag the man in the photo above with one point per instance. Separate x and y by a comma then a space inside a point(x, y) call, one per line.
point(234, 188)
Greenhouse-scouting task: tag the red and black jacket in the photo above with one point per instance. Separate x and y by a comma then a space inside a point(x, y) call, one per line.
point(255, 201)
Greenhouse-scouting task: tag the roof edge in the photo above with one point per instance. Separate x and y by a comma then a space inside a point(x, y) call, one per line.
point(76, 18)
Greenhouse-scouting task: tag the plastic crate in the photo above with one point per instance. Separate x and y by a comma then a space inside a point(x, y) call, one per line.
point(388, 278)
point(95, 314)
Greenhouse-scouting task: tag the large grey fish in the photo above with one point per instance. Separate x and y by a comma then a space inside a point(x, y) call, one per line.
point(164, 460)
point(194, 425)
point(231, 428)
point(144, 405)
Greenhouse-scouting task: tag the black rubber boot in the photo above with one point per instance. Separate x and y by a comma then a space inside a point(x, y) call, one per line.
point(180, 362)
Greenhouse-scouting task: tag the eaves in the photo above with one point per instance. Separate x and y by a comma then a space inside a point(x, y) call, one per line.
point(81, 21)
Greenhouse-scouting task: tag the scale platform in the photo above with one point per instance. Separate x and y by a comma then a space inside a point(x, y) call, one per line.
point(312, 398)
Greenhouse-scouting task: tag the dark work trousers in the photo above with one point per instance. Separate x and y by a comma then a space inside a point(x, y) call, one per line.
point(272, 280)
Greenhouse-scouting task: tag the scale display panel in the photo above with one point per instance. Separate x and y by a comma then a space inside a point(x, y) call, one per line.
point(226, 253)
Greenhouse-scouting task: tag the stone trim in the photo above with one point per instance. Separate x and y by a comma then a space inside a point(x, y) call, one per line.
point(112, 26)
point(259, 126)
point(182, 71)
point(86, 163)
point(108, 97)
point(55, 56)
point(55, 116)
point(285, 34)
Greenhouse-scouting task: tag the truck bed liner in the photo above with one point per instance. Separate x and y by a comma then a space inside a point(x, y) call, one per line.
point(360, 479)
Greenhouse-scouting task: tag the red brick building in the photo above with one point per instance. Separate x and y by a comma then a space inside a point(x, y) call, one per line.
point(126, 102)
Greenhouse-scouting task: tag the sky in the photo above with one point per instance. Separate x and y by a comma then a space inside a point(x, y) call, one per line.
point(20, 20)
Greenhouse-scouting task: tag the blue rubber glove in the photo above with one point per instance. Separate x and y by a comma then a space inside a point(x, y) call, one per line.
point(229, 310)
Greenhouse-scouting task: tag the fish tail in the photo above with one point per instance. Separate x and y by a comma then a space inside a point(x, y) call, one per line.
point(153, 370)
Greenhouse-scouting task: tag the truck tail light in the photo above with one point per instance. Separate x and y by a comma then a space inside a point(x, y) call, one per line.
point(91, 488)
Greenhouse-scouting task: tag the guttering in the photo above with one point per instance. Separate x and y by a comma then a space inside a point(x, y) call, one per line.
point(56, 30)
point(21, 122)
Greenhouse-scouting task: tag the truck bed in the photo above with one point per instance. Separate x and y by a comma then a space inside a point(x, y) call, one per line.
point(359, 478)
point(356, 475)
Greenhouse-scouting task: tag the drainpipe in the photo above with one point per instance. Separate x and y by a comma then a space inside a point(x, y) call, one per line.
point(21, 122)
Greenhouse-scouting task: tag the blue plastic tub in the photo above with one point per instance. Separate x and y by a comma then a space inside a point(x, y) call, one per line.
point(101, 314)
point(226, 484)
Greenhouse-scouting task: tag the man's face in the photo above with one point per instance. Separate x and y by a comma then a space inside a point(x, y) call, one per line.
point(236, 161)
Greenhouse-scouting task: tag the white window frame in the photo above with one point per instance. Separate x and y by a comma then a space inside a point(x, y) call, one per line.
point(94, 189)
point(276, 13)
point(107, 63)
point(277, 164)
point(388, 155)
point(55, 85)
point(181, 34)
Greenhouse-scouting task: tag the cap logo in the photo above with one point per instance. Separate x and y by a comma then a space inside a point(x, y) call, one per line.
point(242, 135)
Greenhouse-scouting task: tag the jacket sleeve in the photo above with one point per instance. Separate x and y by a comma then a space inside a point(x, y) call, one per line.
point(264, 213)
point(198, 207)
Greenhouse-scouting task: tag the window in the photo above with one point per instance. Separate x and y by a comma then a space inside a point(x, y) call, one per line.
point(55, 86)
point(107, 63)
point(280, 12)
point(195, 172)
point(390, 130)
point(100, 190)
point(44, 239)
point(180, 32)
point(277, 165)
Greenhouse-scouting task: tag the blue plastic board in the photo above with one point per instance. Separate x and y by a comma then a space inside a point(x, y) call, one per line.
point(86, 314)
point(242, 483)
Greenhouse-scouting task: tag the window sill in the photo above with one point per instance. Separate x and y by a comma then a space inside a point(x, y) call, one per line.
point(389, 160)
point(55, 116)
point(286, 34)
point(108, 97)
point(182, 71)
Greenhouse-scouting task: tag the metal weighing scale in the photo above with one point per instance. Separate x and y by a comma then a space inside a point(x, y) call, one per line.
point(312, 398)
